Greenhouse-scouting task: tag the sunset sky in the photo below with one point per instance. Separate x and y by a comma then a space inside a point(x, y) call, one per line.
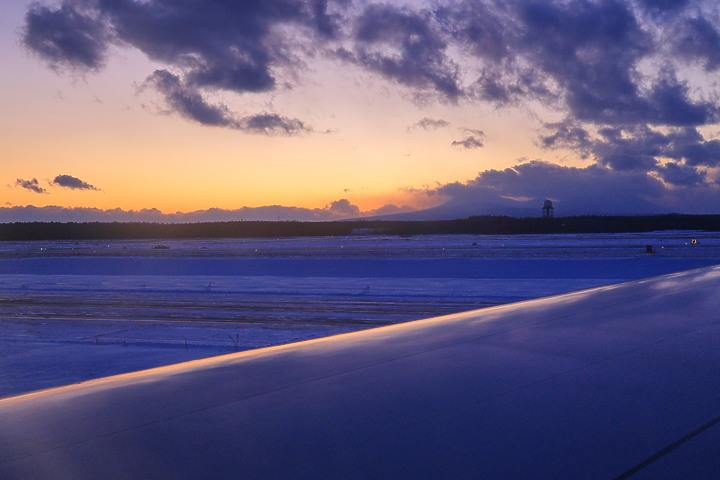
point(332, 109)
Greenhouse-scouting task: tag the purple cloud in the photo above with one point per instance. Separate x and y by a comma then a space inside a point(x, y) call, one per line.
point(405, 46)
point(73, 35)
point(73, 183)
point(642, 149)
point(31, 185)
point(189, 103)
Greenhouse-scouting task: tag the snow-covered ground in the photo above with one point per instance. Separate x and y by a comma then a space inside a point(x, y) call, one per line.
point(72, 311)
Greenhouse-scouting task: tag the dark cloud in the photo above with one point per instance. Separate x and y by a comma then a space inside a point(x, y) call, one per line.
point(468, 142)
point(664, 5)
point(74, 183)
point(430, 124)
point(584, 57)
point(697, 40)
point(219, 44)
point(674, 155)
point(681, 174)
point(504, 85)
point(668, 103)
point(327, 24)
point(636, 149)
point(405, 46)
point(690, 146)
point(491, 87)
point(583, 50)
point(582, 54)
point(597, 71)
point(72, 34)
point(480, 26)
point(187, 102)
point(565, 135)
point(31, 185)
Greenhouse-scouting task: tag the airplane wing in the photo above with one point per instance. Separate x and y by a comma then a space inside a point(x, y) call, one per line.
point(620, 381)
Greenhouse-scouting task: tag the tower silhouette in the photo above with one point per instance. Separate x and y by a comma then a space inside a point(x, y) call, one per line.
point(547, 209)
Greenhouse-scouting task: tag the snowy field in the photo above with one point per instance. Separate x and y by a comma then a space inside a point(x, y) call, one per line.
point(72, 311)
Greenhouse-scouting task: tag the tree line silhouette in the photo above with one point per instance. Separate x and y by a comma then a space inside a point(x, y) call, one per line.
point(264, 229)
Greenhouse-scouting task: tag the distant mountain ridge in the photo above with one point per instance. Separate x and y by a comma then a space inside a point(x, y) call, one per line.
point(454, 210)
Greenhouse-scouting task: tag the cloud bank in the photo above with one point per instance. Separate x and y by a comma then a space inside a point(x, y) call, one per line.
point(337, 210)
point(593, 190)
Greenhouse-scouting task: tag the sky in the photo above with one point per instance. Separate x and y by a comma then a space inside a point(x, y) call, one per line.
point(187, 110)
